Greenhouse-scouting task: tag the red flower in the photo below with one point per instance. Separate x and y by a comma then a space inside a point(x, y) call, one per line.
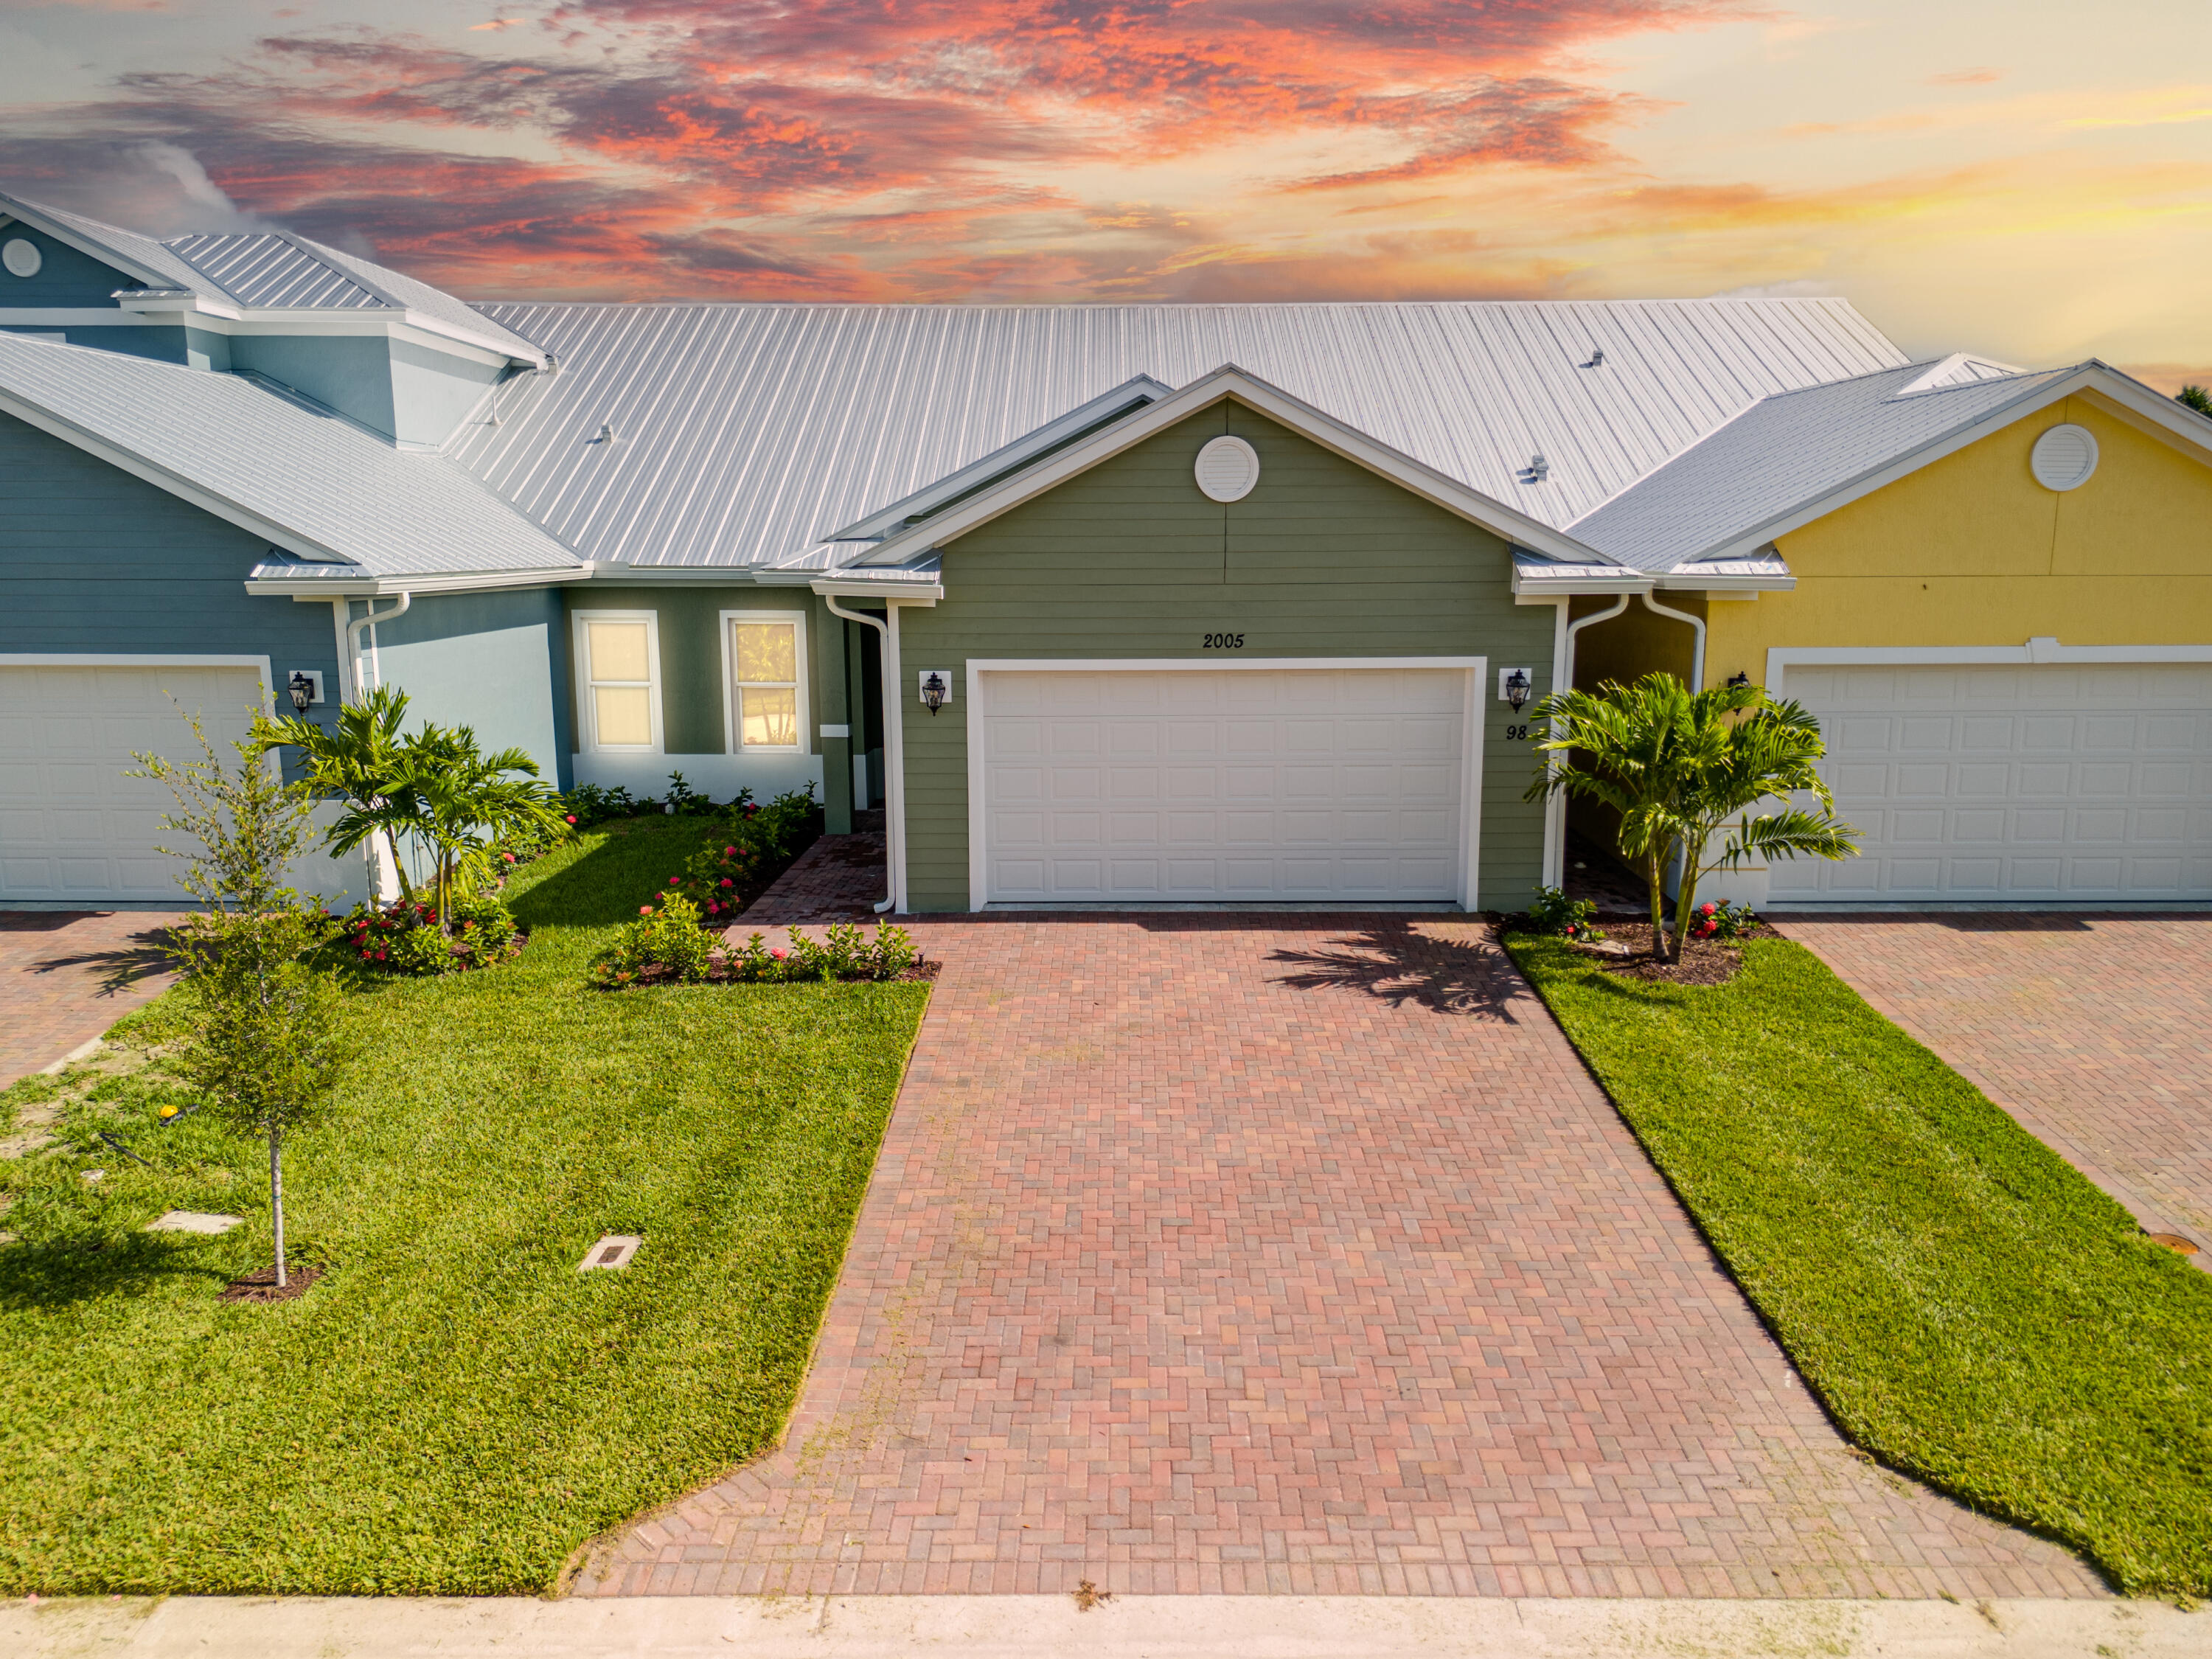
point(1707, 908)
point(676, 881)
point(726, 882)
point(645, 909)
point(510, 857)
point(729, 852)
point(779, 954)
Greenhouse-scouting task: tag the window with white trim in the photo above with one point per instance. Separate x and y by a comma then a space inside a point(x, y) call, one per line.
point(764, 654)
point(618, 654)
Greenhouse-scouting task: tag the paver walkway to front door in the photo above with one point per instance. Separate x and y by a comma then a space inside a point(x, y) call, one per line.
point(1289, 1254)
point(67, 975)
point(2090, 1030)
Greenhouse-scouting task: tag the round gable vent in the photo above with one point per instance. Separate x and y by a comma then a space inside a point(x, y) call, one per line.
point(2064, 457)
point(23, 259)
point(1227, 469)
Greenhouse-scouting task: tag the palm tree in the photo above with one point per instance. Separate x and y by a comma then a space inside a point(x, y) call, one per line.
point(2196, 397)
point(1681, 768)
point(464, 801)
point(357, 763)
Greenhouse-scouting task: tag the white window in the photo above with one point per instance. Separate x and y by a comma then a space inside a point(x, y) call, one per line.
point(619, 663)
point(764, 661)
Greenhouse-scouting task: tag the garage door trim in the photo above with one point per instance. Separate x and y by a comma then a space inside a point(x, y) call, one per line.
point(1780, 659)
point(977, 693)
point(144, 659)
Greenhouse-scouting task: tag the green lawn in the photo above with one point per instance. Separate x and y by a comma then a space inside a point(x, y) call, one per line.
point(454, 1409)
point(1971, 1310)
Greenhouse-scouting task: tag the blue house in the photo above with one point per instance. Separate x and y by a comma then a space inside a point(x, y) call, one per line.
point(1105, 604)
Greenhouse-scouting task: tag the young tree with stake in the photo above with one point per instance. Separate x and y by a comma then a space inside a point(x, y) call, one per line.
point(262, 1046)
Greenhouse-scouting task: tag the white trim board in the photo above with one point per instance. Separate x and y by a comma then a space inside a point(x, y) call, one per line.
point(587, 726)
point(976, 670)
point(733, 712)
point(157, 659)
point(1781, 659)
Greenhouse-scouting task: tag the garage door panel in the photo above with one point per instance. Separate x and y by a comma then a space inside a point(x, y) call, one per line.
point(2058, 782)
point(1274, 784)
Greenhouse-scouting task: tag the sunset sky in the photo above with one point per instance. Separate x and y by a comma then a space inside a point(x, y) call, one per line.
point(2022, 178)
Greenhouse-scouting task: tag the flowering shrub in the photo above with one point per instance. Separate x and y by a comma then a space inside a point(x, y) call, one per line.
point(1554, 912)
point(667, 946)
point(759, 842)
point(404, 937)
point(1717, 922)
point(588, 803)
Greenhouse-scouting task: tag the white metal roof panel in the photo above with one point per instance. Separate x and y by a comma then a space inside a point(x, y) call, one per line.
point(263, 269)
point(744, 434)
point(286, 462)
point(1784, 454)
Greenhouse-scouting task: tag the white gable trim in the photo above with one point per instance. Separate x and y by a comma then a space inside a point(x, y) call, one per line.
point(2192, 430)
point(26, 214)
point(1226, 383)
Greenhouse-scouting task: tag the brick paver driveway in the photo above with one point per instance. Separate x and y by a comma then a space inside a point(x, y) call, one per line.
point(1289, 1254)
point(66, 976)
point(2092, 1031)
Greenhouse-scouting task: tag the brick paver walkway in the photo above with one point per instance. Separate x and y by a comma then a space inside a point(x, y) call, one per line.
point(2090, 1030)
point(1291, 1254)
point(66, 976)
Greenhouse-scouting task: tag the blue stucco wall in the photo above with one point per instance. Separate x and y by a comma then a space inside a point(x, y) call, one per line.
point(491, 661)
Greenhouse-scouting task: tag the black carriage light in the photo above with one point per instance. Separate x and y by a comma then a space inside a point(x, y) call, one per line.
point(1739, 681)
point(303, 688)
point(933, 691)
point(1517, 689)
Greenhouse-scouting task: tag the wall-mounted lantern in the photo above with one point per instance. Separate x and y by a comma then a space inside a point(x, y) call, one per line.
point(935, 685)
point(1738, 681)
point(1514, 685)
point(305, 688)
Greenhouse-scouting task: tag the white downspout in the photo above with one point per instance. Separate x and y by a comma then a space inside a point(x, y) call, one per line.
point(369, 618)
point(1697, 650)
point(1555, 814)
point(383, 856)
point(894, 751)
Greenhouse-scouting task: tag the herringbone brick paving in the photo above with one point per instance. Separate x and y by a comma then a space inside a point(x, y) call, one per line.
point(1291, 1254)
point(67, 975)
point(2089, 1029)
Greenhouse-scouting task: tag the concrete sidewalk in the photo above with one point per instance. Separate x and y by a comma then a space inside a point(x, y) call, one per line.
point(1123, 1627)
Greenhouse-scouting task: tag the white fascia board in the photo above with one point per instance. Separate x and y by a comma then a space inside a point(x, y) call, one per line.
point(1222, 385)
point(365, 586)
point(927, 593)
point(79, 316)
point(165, 303)
point(886, 521)
point(1696, 581)
point(1618, 579)
point(2184, 423)
point(232, 511)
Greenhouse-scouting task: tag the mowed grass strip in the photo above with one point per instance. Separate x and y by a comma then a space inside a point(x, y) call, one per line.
point(1969, 1308)
point(455, 1409)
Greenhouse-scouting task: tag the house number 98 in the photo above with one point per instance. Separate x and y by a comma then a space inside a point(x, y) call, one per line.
point(1517, 734)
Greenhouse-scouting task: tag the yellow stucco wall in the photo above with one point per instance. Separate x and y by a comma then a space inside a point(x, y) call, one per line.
point(1971, 551)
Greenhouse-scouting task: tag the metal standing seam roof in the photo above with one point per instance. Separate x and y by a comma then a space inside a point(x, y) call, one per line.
point(283, 460)
point(262, 269)
point(1785, 453)
point(742, 435)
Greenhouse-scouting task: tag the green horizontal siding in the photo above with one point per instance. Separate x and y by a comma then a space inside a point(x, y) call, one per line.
point(1324, 559)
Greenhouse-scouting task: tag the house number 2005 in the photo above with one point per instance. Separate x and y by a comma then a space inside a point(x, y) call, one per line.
point(1224, 642)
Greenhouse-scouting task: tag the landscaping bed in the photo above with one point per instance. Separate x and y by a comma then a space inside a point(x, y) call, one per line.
point(1970, 1309)
point(452, 1408)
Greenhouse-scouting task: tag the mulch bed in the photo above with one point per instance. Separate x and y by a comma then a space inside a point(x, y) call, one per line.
point(1701, 964)
point(260, 1285)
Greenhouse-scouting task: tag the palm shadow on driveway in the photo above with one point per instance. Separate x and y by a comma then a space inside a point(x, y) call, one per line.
point(1395, 963)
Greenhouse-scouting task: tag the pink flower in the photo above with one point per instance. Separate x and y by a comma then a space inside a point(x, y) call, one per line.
point(779, 953)
point(572, 818)
point(510, 857)
point(645, 909)
point(729, 852)
point(726, 882)
point(714, 909)
point(674, 881)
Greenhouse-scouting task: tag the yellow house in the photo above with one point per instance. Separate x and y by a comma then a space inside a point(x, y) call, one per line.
point(1993, 588)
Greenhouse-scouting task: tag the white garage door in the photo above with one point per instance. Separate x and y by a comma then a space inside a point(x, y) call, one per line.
point(2049, 782)
point(72, 827)
point(1129, 786)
